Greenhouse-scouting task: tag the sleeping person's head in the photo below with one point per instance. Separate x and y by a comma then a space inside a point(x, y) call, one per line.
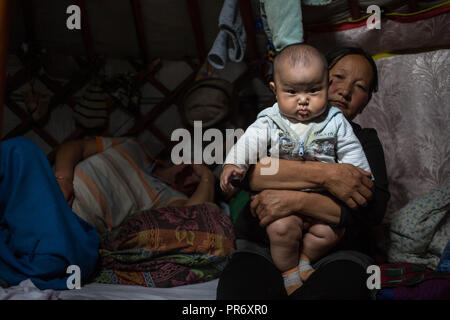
point(300, 82)
point(353, 78)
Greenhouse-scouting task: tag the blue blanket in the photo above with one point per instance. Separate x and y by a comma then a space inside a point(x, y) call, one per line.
point(40, 236)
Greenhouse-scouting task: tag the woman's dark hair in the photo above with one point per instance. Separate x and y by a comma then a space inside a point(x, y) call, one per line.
point(334, 56)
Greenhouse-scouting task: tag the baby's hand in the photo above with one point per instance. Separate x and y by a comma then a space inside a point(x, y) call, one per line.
point(230, 172)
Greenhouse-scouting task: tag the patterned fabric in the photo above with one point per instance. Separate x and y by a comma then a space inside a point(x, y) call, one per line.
point(406, 274)
point(122, 163)
point(420, 231)
point(411, 112)
point(167, 247)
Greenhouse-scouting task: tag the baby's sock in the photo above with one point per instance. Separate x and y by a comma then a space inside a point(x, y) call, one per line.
point(305, 267)
point(292, 280)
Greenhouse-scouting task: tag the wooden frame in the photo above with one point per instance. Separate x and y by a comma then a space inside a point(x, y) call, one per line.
point(5, 14)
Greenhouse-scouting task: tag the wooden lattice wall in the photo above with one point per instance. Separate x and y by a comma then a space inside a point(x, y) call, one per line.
point(64, 94)
point(32, 62)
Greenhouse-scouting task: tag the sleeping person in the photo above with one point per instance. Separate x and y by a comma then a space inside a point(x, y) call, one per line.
point(50, 220)
point(121, 177)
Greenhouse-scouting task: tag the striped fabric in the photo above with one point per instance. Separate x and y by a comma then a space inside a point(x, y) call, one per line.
point(92, 110)
point(114, 183)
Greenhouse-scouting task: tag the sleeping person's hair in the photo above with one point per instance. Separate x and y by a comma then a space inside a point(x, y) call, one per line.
point(334, 56)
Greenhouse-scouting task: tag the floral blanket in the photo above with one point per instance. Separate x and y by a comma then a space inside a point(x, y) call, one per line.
point(167, 247)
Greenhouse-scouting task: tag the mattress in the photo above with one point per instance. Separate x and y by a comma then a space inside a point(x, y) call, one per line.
point(98, 291)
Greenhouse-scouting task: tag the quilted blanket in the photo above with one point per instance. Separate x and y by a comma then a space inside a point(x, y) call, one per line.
point(167, 247)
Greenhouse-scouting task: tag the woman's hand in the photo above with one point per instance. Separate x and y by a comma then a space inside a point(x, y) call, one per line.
point(349, 184)
point(270, 205)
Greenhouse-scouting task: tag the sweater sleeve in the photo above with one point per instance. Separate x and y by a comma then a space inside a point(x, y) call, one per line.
point(252, 145)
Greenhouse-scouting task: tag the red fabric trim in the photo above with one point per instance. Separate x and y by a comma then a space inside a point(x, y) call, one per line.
point(400, 19)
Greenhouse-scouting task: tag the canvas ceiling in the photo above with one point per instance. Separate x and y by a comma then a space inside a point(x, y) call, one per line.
point(167, 23)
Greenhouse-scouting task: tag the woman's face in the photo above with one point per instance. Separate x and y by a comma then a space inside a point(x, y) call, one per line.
point(350, 80)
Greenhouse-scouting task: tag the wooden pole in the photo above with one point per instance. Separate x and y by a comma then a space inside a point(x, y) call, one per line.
point(140, 31)
point(413, 5)
point(5, 14)
point(86, 31)
point(194, 15)
point(29, 22)
point(247, 17)
point(354, 9)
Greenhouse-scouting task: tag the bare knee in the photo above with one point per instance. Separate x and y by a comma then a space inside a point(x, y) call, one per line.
point(285, 230)
point(324, 234)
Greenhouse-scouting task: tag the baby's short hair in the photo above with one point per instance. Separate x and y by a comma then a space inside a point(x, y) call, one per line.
point(299, 54)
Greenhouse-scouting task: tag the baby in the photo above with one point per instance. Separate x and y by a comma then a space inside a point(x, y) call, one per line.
point(300, 126)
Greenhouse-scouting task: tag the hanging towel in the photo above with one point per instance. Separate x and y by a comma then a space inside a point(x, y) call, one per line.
point(282, 20)
point(231, 40)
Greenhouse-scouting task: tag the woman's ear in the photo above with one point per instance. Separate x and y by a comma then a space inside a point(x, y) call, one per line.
point(273, 87)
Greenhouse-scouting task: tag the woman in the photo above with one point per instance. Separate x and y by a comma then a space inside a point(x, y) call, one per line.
point(356, 203)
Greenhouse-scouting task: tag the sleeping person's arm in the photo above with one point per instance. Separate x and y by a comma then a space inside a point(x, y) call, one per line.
point(69, 154)
point(204, 191)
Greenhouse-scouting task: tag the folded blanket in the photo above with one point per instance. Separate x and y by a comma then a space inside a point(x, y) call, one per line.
point(167, 247)
point(420, 230)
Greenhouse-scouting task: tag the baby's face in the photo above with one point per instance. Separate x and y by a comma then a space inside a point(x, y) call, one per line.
point(301, 91)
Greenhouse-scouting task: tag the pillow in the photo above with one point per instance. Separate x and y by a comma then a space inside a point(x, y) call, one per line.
point(167, 247)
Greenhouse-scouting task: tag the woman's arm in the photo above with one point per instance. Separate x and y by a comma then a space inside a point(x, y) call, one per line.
point(69, 154)
point(346, 182)
point(270, 205)
point(321, 206)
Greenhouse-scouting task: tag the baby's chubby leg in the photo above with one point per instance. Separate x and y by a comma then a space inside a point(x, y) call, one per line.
point(285, 235)
point(316, 242)
point(319, 239)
